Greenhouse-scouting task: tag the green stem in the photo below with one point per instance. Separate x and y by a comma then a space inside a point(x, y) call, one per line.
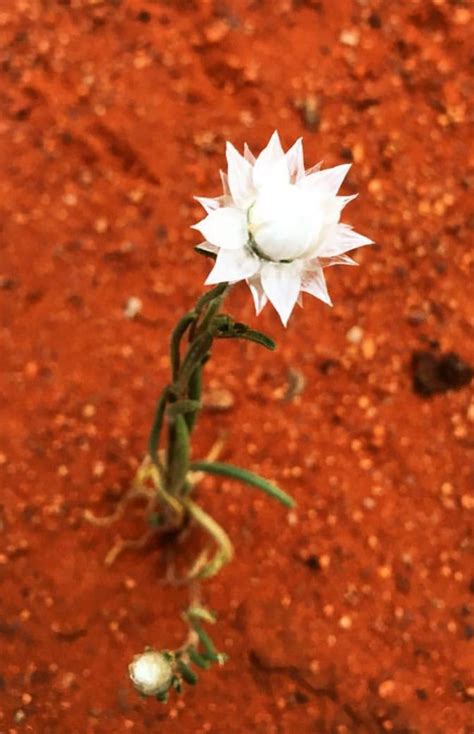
point(155, 433)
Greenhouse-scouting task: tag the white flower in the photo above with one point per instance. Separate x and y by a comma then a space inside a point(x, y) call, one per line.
point(277, 226)
point(151, 673)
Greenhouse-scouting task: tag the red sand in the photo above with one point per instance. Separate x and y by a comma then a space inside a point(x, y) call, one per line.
point(353, 613)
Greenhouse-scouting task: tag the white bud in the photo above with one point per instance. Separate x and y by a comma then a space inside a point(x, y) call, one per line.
point(151, 672)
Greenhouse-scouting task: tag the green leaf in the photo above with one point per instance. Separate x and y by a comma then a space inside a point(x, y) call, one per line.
point(243, 475)
point(231, 330)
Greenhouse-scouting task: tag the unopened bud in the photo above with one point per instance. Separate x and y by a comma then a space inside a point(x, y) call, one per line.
point(151, 673)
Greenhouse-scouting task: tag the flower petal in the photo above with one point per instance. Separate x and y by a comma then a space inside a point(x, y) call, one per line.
point(340, 239)
point(208, 247)
point(258, 294)
point(211, 204)
point(295, 161)
point(329, 180)
point(208, 204)
point(326, 262)
point(233, 265)
point(225, 183)
point(281, 282)
point(314, 283)
point(248, 155)
point(226, 228)
point(240, 177)
point(271, 165)
point(313, 169)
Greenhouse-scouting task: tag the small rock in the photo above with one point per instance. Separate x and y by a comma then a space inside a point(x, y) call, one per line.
point(434, 373)
point(386, 688)
point(369, 348)
point(133, 307)
point(350, 37)
point(219, 399)
point(355, 335)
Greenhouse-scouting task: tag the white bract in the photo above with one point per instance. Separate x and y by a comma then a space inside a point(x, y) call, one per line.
point(150, 672)
point(277, 226)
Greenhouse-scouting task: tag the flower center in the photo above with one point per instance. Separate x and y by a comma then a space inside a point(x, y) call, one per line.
point(284, 223)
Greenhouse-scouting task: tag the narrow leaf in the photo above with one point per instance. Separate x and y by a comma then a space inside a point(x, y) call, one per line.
point(243, 475)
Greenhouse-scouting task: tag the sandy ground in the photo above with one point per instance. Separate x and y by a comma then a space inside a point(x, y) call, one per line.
point(354, 612)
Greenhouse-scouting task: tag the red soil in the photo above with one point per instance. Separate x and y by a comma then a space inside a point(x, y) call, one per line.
point(353, 613)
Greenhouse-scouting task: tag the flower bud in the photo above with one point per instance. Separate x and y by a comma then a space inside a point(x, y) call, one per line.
point(151, 673)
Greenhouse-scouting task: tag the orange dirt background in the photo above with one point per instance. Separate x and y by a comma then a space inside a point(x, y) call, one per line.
point(354, 612)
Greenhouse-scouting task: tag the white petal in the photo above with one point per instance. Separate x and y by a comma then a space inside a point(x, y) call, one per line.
point(329, 180)
point(208, 247)
point(345, 200)
point(248, 155)
point(240, 177)
point(258, 294)
point(314, 283)
point(294, 160)
point(208, 204)
point(226, 228)
point(225, 183)
point(233, 265)
point(340, 239)
point(281, 282)
point(271, 165)
point(313, 169)
point(326, 262)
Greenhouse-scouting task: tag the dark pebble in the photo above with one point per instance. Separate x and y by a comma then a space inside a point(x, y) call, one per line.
point(433, 373)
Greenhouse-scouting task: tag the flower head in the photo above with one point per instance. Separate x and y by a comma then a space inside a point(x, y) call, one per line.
point(151, 673)
point(277, 226)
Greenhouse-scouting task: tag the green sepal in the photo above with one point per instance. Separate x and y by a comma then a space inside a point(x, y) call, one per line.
point(210, 651)
point(200, 660)
point(187, 674)
point(162, 697)
point(243, 475)
point(176, 684)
